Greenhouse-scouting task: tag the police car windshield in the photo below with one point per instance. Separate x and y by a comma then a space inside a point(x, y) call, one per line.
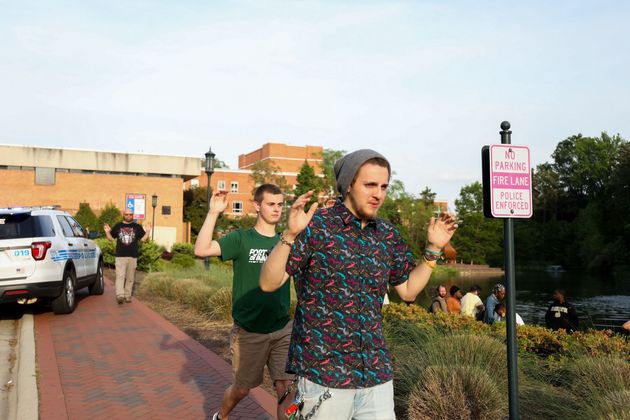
point(23, 225)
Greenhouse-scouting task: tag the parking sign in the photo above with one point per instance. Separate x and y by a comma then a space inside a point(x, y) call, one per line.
point(510, 181)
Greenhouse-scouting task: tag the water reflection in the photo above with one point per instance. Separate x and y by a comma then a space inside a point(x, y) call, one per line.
point(600, 302)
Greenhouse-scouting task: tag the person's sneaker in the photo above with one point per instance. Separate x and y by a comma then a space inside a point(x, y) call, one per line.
point(128, 300)
point(216, 416)
point(120, 300)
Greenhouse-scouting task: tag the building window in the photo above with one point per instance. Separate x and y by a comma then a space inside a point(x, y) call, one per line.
point(237, 207)
point(166, 210)
point(194, 183)
point(234, 187)
point(221, 185)
point(44, 176)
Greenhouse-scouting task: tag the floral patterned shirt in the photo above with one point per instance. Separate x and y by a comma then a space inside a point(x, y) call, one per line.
point(341, 272)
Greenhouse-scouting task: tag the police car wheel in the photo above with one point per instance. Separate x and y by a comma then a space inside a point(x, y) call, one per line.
point(65, 302)
point(98, 287)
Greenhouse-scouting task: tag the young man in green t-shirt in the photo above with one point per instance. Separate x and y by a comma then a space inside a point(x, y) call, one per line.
point(262, 326)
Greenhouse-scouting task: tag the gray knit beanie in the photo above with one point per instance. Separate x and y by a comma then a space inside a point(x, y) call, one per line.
point(347, 167)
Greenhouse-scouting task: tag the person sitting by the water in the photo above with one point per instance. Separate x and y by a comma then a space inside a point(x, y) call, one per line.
point(453, 303)
point(498, 293)
point(439, 302)
point(500, 312)
point(561, 314)
point(472, 305)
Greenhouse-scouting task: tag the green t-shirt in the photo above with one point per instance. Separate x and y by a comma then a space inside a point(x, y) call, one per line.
point(252, 309)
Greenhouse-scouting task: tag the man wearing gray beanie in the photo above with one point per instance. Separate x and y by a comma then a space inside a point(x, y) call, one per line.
point(342, 259)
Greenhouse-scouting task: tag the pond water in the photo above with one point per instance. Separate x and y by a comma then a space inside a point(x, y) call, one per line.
point(601, 302)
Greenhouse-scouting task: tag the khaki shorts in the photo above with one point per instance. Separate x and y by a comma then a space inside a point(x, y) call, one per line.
point(252, 351)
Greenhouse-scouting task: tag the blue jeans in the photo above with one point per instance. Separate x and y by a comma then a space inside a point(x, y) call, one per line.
point(375, 403)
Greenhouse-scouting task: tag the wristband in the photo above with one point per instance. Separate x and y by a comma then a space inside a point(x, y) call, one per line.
point(430, 263)
point(285, 242)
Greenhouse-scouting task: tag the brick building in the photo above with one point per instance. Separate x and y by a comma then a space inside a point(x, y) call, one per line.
point(37, 176)
point(239, 183)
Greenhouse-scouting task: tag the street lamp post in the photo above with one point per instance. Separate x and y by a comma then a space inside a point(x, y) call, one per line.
point(209, 171)
point(154, 205)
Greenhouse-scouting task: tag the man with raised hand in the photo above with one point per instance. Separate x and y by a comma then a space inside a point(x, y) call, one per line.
point(342, 258)
point(262, 328)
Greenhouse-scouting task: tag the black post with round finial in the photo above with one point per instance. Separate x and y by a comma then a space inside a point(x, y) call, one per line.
point(512, 347)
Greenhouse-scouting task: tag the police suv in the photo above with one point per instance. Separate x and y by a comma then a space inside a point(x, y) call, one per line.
point(46, 255)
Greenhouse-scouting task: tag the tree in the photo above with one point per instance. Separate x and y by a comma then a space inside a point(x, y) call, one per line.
point(427, 196)
point(86, 218)
point(110, 215)
point(265, 172)
point(477, 239)
point(195, 208)
point(307, 181)
point(329, 157)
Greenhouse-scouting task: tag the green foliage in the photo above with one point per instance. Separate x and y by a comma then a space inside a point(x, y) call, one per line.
point(183, 260)
point(329, 157)
point(448, 366)
point(149, 257)
point(148, 260)
point(195, 209)
point(265, 172)
point(86, 218)
point(183, 248)
point(477, 239)
point(108, 250)
point(307, 181)
point(580, 206)
point(110, 215)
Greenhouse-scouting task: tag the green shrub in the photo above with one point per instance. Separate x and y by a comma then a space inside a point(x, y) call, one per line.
point(86, 218)
point(183, 260)
point(108, 249)
point(456, 392)
point(110, 215)
point(149, 257)
point(221, 304)
point(148, 260)
point(183, 248)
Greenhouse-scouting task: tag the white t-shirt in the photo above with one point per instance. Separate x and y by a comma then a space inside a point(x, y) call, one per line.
point(469, 302)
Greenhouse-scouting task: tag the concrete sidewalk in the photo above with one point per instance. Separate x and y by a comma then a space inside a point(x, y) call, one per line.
point(110, 361)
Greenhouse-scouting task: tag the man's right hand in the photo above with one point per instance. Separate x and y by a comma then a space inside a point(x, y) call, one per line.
point(218, 202)
point(298, 217)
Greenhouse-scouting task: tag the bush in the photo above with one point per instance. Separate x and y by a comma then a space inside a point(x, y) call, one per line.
point(183, 248)
point(221, 304)
point(456, 392)
point(183, 260)
point(86, 218)
point(110, 215)
point(108, 248)
point(149, 258)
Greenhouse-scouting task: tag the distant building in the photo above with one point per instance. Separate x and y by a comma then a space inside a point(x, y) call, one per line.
point(240, 184)
point(38, 176)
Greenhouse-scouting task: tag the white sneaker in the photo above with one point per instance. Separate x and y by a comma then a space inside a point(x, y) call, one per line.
point(215, 416)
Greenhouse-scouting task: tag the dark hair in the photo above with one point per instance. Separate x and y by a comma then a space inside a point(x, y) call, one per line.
point(561, 291)
point(454, 289)
point(266, 188)
point(499, 306)
point(475, 288)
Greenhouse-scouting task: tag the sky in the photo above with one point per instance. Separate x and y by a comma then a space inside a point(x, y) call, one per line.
point(426, 83)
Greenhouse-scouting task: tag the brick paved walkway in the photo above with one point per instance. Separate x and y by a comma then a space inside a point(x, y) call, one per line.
point(107, 361)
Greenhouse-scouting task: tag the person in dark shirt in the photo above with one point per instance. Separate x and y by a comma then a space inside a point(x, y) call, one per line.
point(128, 235)
point(561, 314)
point(342, 258)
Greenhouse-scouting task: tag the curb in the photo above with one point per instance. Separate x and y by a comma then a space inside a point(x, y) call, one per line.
point(24, 401)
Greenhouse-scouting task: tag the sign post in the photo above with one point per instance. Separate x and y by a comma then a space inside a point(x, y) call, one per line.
point(507, 194)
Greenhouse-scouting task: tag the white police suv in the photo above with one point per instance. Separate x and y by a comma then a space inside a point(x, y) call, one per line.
point(46, 255)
